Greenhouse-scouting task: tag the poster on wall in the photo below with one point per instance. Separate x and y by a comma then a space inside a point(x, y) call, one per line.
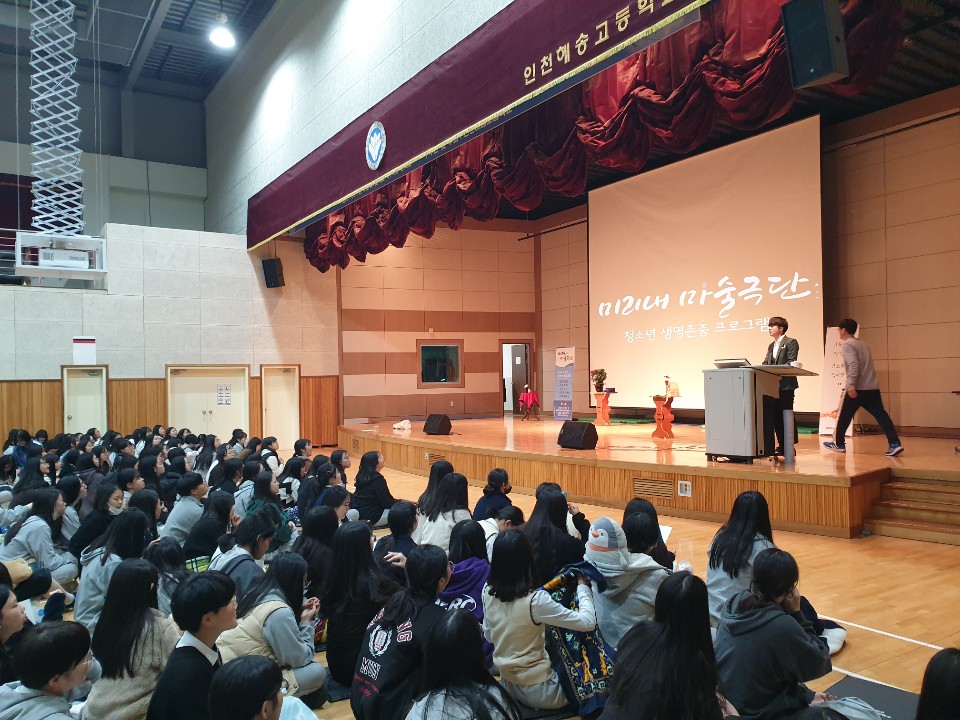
point(834, 383)
point(224, 394)
point(84, 350)
point(563, 384)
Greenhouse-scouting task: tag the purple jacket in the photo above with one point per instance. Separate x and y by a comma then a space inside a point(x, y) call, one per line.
point(465, 590)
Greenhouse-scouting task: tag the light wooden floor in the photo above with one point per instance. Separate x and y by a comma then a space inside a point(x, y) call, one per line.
point(897, 598)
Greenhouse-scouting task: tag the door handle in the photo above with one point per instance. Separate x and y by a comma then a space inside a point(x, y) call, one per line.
point(69, 417)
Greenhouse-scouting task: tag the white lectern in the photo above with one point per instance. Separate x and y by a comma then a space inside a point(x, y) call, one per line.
point(736, 402)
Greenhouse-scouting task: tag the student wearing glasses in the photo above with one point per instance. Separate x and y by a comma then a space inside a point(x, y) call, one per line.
point(252, 688)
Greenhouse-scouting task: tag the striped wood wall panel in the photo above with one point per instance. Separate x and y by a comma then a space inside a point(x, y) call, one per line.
point(320, 408)
point(136, 403)
point(31, 405)
point(256, 408)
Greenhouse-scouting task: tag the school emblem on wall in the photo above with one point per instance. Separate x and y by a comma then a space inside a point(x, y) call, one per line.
point(376, 145)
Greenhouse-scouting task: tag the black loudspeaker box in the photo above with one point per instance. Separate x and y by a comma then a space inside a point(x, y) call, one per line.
point(575, 435)
point(273, 272)
point(815, 42)
point(437, 425)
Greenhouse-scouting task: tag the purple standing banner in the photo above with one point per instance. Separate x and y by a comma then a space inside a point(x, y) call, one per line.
point(525, 54)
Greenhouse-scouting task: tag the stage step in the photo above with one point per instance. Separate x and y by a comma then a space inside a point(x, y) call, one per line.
point(914, 530)
point(937, 512)
point(926, 491)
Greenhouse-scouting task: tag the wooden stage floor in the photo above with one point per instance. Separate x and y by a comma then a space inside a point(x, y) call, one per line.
point(822, 492)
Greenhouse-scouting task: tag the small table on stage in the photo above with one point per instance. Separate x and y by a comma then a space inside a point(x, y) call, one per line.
point(529, 401)
point(603, 408)
point(664, 417)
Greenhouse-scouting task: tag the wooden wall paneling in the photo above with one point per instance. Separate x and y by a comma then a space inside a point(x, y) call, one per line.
point(31, 405)
point(330, 406)
point(256, 407)
point(320, 408)
point(136, 403)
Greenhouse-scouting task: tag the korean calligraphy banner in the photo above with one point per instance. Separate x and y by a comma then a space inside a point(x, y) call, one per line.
point(687, 264)
point(563, 384)
point(833, 379)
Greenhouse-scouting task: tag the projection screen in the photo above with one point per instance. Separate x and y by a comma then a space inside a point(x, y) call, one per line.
point(688, 263)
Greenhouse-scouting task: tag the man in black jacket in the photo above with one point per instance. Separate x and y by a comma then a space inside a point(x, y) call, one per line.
point(782, 351)
point(204, 605)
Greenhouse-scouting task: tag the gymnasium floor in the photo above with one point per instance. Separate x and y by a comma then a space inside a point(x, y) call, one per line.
point(897, 598)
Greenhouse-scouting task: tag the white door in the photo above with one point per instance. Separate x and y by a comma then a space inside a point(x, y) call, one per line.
point(84, 398)
point(280, 392)
point(213, 399)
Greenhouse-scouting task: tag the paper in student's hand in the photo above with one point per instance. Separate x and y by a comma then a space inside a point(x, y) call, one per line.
point(665, 531)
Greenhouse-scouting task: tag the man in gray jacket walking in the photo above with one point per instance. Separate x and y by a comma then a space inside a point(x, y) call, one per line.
point(862, 390)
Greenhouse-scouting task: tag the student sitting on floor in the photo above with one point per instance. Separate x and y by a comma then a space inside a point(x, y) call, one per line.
point(940, 694)
point(633, 577)
point(660, 553)
point(449, 508)
point(252, 688)
point(244, 492)
point(240, 555)
point(37, 534)
point(52, 661)
point(107, 505)
point(509, 517)
point(74, 491)
point(315, 546)
point(372, 498)
point(274, 621)
point(553, 547)
point(132, 641)
point(402, 521)
point(266, 497)
point(166, 556)
point(455, 683)
point(494, 495)
point(390, 664)
point(515, 610)
point(468, 554)
point(215, 522)
point(438, 470)
point(192, 488)
point(204, 606)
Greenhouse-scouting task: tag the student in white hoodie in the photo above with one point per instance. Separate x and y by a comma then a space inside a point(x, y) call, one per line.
point(124, 539)
point(36, 536)
point(52, 660)
point(633, 577)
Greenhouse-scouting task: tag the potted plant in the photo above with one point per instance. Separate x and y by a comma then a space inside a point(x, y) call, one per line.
point(598, 377)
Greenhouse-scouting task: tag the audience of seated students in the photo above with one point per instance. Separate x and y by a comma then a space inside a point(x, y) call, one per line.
point(940, 693)
point(660, 553)
point(244, 492)
point(315, 546)
point(468, 554)
point(148, 502)
point(192, 488)
point(132, 642)
point(495, 494)
point(240, 554)
point(108, 504)
point(448, 508)
point(229, 477)
point(553, 546)
point(266, 497)
point(745, 534)
point(204, 606)
point(166, 556)
point(123, 540)
point(276, 622)
point(51, 662)
point(666, 668)
point(37, 535)
point(402, 521)
point(74, 491)
point(508, 517)
point(455, 684)
point(357, 591)
point(389, 672)
point(515, 609)
point(214, 523)
point(371, 497)
point(633, 576)
point(765, 647)
point(342, 462)
point(269, 458)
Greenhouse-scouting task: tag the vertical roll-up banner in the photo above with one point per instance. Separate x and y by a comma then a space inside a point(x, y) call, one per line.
point(563, 384)
point(833, 383)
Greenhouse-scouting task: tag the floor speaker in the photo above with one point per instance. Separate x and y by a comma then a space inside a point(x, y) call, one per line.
point(437, 425)
point(273, 272)
point(816, 46)
point(575, 435)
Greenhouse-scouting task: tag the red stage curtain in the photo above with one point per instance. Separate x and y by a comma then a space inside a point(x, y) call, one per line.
point(730, 67)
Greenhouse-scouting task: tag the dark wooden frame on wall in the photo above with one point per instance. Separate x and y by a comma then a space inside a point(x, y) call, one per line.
point(106, 388)
point(462, 383)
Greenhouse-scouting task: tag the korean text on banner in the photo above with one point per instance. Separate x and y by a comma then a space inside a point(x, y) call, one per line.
point(563, 384)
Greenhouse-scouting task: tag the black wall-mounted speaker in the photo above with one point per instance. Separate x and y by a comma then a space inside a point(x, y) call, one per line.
point(273, 272)
point(816, 46)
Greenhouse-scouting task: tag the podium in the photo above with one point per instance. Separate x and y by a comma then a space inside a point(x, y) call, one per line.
point(739, 403)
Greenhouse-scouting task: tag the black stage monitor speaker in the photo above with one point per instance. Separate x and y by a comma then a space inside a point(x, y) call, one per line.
point(273, 272)
point(815, 42)
point(576, 435)
point(437, 425)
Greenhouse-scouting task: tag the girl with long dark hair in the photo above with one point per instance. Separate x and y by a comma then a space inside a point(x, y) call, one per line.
point(88, 470)
point(274, 621)
point(266, 495)
point(660, 553)
point(152, 468)
point(148, 502)
point(290, 479)
point(357, 590)
point(204, 459)
point(448, 508)
point(31, 478)
point(253, 446)
point(515, 609)
point(339, 499)
point(216, 521)
point(315, 546)
point(13, 618)
point(468, 556)
point(341, 461)
point(745, 534)
point(402, 521)
point(438, 470)
point(38, 534)
point(166, 556)
point(132, 641)
point(553, 547)
point(222, 477)
point(495, 494)
point(313, 486)
point(455, 682)
point(107, 505)
point(372, 498)
point(666, 668)
point(74, 491)
point(940, 694)
point(123, 540)
point(241, 553)
point(388, 673)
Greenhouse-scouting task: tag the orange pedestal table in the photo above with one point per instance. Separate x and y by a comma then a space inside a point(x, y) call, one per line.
point(603, 408)
point(664, 417)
